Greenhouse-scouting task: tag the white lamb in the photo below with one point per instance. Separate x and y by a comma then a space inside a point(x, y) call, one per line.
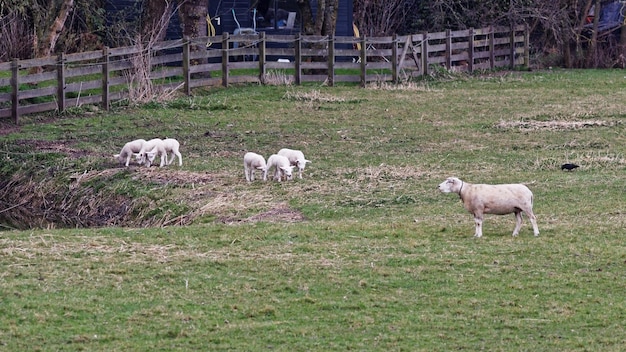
point(296, 158)
point(169, 145)
point(251, 162)
point(282, 167)
point(149, 151)
point(128, 150)
point(481, 199)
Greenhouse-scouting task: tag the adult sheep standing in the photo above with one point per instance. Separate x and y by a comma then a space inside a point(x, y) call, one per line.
point(480, 199)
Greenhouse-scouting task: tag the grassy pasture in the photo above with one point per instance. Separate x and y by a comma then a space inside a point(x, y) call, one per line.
point(363, 253)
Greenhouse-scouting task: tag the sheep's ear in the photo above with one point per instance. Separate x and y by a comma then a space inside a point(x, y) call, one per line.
point(307, 161)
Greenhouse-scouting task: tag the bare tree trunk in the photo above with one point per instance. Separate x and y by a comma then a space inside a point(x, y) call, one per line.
point(192, 14)
point(592, 58)
point(45, 47)
point(325, 22)
point(156, 15)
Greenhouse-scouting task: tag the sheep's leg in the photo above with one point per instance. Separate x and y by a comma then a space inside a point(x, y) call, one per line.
point(518, 223)
point(277, 174)
point(300, 173)
point(163, 159)
point(128, 160)
point(478, 220)
point(246, 170)
point(533, 220)
point(180, 158)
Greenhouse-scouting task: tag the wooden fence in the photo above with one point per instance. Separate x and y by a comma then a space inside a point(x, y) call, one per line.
point(109, 75)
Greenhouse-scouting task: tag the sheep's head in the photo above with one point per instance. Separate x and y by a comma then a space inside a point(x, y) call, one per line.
point(288, 170)
point(301, 163)
point(145, 158)
point(451, 185)
point(140, 158)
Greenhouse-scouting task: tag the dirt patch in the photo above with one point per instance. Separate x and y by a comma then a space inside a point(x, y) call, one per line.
point(553, 125)
point(61, 147)
point(7, 128)
point(166, 176)
point(279, 213)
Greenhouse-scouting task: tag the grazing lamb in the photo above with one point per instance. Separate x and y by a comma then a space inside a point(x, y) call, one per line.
point(149, 151)
point(481, 199)
point(282, 166)
point(251, 162)
point(172, 147)
point(296, 158)
point(128, 150)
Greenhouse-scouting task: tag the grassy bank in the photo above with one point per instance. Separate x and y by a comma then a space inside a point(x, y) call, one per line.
point(363, 253)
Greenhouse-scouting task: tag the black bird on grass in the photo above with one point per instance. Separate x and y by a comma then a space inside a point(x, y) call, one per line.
point(569, 167)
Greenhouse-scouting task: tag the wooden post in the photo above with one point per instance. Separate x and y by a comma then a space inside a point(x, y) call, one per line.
point(106, 102)
point(225, 50)
point(492, 48)
point(15, 89)
point(363, 61)
point(298, 58)
point(331, 60)
point(470, 51)
point(262, 58)
point(187, 66)
point(512, 52)
point(394, 59)
point(448, 49)
point(61, 83)
point(526, 47)
point(424, 54)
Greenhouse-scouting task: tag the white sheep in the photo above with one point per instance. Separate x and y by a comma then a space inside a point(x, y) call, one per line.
point(128, 150)
point(169, 146)
point(172, 147)
point(149, 151)
point(296, 158)
point(253, 161)
point(481, 199)
point(282, 166)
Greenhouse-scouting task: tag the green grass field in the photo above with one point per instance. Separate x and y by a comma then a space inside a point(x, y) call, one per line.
point(364, 253)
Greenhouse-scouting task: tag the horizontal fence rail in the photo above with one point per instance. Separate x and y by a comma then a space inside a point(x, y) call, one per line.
point(115, 74)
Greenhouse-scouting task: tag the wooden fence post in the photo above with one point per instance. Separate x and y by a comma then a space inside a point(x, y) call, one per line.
point(225, 50)
point(394, 59)
point(512, 47)
point(106, 101)
point(15, 89)
point(61, 83)
point(526, 46)
point(492, 48)
point(186, 66)
point(363, 61)
point(424, 56)
point(470, 51)
point(298, 59)
point(448, 49)
point(331, 60)
point(262, 58)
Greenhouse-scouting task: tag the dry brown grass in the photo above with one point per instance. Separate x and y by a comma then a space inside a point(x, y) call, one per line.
point(314, 96)
point(278, 78)
point(553, 124)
